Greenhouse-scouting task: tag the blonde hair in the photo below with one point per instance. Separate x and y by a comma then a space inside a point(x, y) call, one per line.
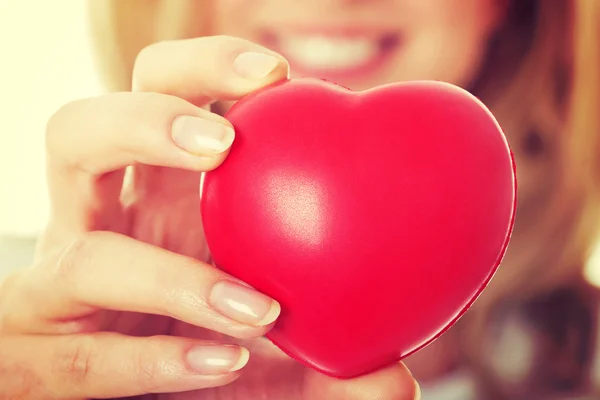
point(551, 95)
point(121, 29)
point(541, 80)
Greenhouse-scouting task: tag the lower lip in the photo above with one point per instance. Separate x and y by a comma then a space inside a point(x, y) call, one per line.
point(358, 72)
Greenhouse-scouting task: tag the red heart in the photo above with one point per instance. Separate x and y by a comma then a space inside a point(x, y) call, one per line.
point(375, 218)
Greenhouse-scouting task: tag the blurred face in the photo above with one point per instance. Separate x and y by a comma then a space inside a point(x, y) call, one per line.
point(363, 43)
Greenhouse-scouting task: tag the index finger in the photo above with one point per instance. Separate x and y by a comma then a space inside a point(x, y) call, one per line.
point(205, 69)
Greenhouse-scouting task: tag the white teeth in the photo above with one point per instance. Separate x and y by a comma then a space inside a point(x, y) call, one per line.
point(324, 52)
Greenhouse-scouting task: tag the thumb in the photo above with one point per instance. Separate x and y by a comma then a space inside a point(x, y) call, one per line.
point(391, 383)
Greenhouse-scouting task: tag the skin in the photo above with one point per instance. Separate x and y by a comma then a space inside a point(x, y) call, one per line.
point(120, 291)
point(118, 295)
point(438, 41)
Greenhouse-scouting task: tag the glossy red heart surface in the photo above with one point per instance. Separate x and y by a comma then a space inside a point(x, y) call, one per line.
point(375, 218)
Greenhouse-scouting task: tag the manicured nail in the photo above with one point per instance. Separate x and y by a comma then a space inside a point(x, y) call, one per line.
point(254, 65)
point(243, 304)
point(216, 360)
point(417, 391)
point(200, 136)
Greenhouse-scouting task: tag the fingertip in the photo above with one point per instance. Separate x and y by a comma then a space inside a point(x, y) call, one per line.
point(407, 376)
point(259, 64)
point(394, 382)
point(417, 391)
point(201, 136)
point(211, 359)
point(242, 361)
point(255, 65)
point(203, 163)
point(271, 315)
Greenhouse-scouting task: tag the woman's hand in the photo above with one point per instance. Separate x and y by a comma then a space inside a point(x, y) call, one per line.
point(121, 300)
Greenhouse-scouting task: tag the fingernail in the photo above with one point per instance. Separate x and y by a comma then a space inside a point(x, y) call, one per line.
point(200, 136)
point(254, 65)
point(243, 304)
point(417, 391)
point(216, 360)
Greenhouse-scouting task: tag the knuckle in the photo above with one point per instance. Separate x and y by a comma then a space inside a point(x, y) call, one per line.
point(158, 107)
point(144, 55)
point(72, 256)
point(173, 298)
point(169, 299)
point(75, 256)
point(145, 61)
point(75, 358)
point(63, 128)
point(56, 125)
point(149, 371)
point(181, 303)
point(149, 51)
point(183, 295)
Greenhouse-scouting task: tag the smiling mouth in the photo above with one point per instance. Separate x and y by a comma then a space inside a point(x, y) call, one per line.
point(335, 55)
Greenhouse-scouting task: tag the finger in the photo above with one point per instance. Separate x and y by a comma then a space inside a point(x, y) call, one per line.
point(106, 133)
point(391, 383)
point(207, 68)
point(201, 70)
point(85, 171)
point(104, 270)
point(140, 123)
point(89, 139)
point(106, 365)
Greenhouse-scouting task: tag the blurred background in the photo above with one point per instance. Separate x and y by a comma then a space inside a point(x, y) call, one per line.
point(46, 62)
